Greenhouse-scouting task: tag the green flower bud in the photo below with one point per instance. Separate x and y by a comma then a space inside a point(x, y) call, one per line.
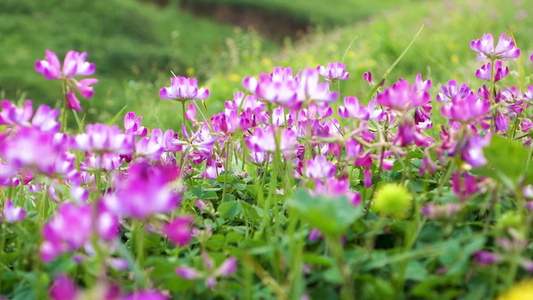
point(392, 200)
point(510, 219)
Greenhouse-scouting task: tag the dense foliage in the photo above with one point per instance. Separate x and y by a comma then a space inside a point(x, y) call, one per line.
point(289, 192)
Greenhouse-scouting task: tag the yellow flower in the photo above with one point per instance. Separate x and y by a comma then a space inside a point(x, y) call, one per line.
point(520, 291)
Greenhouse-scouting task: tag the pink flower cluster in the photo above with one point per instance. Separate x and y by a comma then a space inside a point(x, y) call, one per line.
point(74, 64)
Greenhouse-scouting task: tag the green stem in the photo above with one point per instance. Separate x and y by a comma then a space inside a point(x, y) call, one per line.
point(139, 250)
point(64, 108)
point(347, 292)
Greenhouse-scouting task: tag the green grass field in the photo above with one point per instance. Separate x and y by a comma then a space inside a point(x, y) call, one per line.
point(136, 45)
point(129, 41)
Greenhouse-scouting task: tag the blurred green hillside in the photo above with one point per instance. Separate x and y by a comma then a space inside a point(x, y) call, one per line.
point(127, 40)
point(315, 12)
point(441, 52)
point(135, 45)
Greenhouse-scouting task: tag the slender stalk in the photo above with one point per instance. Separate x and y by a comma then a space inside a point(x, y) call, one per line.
point(347, 292)
point(64, 108)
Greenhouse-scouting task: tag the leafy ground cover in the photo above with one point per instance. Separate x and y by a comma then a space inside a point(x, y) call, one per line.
point(289, 192)
point(420, 188)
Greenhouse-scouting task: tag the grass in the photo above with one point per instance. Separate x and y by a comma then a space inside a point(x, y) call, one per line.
point(128, 41)
point(442, 51)
point(317, 12)
point(135, 58)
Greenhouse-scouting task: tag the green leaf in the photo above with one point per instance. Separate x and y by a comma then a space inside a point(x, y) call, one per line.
point(330, 216)
point(216, 242)
point(239, 186)
point(415, 271)
point(229, 210)
point(508, 159)
point(233, 237)
point(320, 260)
point(333, 275)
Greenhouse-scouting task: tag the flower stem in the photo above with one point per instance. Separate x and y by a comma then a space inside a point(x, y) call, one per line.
point(64, 108)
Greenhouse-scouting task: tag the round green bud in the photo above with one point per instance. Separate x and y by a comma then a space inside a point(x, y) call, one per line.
point(510, 219)
point(392, 200)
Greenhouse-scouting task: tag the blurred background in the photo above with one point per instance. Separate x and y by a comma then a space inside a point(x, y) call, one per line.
point(135, 45)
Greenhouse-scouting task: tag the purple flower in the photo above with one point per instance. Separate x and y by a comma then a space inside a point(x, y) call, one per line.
point(314, 235)
point(63, 288)
point(226, 269)
point(133, 125)
point(485, 46)
point(408, 134)
point(283, 93)
point(19, 150)
point(44, 118)
point(465, 110)
point(402, 97)
point(188, 273)
point(72, 227)
point(353, 109)
point(320, 168)
point(263, 140)
point(151, 147)
point(333, 187)
point(145, 191)
point(291, 92)
point(309, 89)
point(422, 85)
point(449, 92)
point(74, 64)
point(484, 257)
point(367, 76)
point(105, 162)
point(501, 121)
point(435, 211)
point(179, 230)
point(13, 214)
point(183, 89)
point(102, 138)
point(499, 71)
point(472, 150)
point(334, 71)
point(464, 185)
point(526, 125)
point(13, 115)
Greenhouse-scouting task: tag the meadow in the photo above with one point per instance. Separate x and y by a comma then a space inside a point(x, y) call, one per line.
point(384, 154)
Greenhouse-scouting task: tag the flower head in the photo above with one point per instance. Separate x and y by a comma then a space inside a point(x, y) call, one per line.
point(74, 64)
point(146, 190)
point(485, 72)
point(403, 97)
point(72, 227)
point(226, 269)
point(320, 168)
point(467, 109)
point(179, 230)
point(485, 46)
point(12, 213)
point(63, 288)
point(449, 92)
point(102, 138)
point(183, 89)
point(334, 71)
